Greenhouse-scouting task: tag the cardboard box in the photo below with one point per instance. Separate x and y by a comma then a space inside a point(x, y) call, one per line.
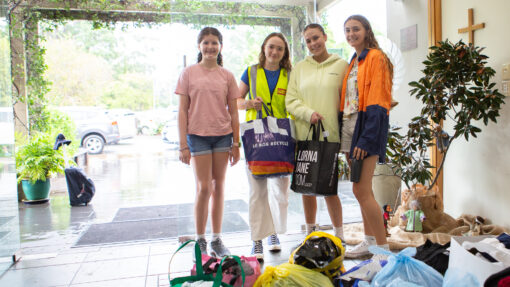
point(465, 261)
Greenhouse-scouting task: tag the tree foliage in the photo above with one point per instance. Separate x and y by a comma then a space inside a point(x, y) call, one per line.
point(77, 78)
point(5, 73)
point(31, 19)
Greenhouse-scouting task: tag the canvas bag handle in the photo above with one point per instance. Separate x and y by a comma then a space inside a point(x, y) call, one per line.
point(198, 264)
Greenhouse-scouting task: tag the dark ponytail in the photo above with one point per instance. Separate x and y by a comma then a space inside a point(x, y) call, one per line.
point(210, 31)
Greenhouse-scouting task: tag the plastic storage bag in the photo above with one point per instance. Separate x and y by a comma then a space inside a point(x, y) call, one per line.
point(403, 270)
point(321, 252)
point(364, 271)
point(291, 275)
point(455, 277)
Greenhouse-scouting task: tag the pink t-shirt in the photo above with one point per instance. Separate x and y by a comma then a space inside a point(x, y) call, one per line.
point(209, 91)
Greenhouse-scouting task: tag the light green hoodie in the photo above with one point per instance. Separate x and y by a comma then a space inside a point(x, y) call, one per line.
point(316, 87)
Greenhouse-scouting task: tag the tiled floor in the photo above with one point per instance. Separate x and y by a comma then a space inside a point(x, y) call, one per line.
point(141, 264)
point(150, 176)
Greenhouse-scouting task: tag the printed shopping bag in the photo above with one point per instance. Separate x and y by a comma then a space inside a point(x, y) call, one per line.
point(316, 171)
point(231, 269)
point(200, 275)
point(269, 145)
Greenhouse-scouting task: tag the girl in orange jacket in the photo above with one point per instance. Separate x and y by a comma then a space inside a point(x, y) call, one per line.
point(364, 116)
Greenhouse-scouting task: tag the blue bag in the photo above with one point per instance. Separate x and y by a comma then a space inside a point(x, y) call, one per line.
point(455, 277)
point(404, 271)
point(269, 145)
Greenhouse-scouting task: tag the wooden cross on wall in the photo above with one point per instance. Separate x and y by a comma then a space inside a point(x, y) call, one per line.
point(471, 28)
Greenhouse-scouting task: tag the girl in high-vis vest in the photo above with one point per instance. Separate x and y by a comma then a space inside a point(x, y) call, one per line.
point(267, 82)
point(313, 94)
point(364, 108)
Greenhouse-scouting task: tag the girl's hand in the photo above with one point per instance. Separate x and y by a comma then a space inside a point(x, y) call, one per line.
point(256, 103)
point(358, 153)
point(185, 156)
point(234, 155)
point(315, 118)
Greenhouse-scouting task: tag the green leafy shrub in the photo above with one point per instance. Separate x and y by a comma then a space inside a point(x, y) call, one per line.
point(37, 160)
point(457, 87)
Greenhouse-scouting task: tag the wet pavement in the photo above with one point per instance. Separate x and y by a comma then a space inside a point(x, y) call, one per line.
point(139, 172)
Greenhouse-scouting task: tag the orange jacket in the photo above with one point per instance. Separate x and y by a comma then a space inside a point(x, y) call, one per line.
point(374, 91)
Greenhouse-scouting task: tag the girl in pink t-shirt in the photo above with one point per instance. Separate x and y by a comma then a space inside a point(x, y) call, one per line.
point(208, 132)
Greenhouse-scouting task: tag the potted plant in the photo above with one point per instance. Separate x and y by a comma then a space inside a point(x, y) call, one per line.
point(457, 87)
point(36, 162)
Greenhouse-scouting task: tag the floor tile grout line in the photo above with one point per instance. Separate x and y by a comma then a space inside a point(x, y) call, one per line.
point(78, 270)
point(148, 263)
point(107, 280)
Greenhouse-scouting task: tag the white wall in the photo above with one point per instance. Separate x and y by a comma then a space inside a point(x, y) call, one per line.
point(402, 14)
point(476, 173)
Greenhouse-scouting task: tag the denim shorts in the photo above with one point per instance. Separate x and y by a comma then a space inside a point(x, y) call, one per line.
point(199, 145)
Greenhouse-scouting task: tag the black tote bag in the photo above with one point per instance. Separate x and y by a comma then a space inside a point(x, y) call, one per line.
point(316, 169)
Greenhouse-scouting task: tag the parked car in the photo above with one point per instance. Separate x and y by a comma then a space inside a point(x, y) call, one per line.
point(6, 126)
point(126, 120)
point(94, 127)
point(151, 122)
point(170, 134)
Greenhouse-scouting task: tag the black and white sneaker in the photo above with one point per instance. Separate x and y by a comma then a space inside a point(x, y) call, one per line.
point(258, 250)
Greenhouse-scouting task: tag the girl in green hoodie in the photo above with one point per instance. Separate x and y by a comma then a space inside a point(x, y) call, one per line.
point(313, 94)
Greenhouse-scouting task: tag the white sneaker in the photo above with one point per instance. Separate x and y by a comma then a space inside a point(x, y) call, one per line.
point(358, 251)
point(274, 243)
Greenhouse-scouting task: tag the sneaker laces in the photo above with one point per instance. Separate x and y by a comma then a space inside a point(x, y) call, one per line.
point(257, 247)
point(218, 248)
point(202, 243)
point(273, 240)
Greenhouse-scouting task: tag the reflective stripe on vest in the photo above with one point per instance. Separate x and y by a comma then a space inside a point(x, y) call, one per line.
point(275, 103)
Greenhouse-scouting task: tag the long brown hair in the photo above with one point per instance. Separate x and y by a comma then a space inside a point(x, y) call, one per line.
point(285, 61)
point(370, 38)
point(210, 31)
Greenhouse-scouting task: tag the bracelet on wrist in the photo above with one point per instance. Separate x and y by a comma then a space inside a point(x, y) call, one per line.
point(183, 148)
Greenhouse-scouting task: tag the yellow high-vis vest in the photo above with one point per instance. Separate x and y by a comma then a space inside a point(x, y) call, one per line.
point(260, 88)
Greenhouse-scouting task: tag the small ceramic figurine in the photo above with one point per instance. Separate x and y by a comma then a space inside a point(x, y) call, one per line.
point(414, 217)
point(386, 216)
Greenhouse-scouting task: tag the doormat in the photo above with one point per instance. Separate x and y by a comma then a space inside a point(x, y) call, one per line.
point(173, 210)
point(152, 229)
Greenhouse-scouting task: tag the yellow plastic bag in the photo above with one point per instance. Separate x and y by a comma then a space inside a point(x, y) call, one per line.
point(335, 266)
point(291, 275)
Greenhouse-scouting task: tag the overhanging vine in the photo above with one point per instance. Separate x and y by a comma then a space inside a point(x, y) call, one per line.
point(26, 38)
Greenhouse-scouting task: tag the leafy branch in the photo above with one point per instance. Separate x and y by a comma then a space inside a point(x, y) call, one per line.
point(456, 84)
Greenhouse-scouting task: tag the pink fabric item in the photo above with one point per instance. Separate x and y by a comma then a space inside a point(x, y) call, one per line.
point(249, 279)
point(209, 91)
